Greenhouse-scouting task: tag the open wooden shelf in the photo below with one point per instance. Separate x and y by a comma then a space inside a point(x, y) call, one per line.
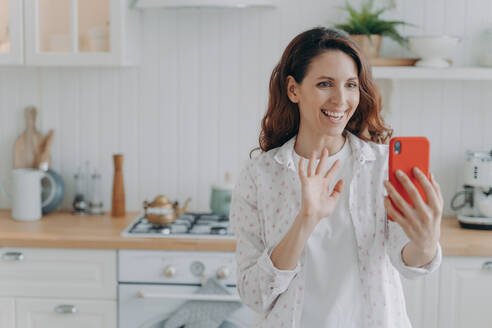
point(452, 73)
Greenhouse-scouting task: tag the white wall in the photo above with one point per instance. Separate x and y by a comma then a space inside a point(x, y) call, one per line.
point(191, 111)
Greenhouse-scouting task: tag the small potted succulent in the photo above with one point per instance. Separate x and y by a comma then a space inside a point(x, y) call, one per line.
point(367, 28)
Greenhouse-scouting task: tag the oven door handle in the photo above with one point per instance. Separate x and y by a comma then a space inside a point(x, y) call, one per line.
point(190, 297)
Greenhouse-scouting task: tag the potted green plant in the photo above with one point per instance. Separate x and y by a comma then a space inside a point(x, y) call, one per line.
point(367, 28)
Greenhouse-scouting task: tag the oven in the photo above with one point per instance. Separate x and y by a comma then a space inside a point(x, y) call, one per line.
point(153, 284)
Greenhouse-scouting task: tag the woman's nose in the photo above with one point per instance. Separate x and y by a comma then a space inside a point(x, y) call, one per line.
point(337, 97)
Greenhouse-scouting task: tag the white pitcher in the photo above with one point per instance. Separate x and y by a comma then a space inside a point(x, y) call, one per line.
point(26, 194)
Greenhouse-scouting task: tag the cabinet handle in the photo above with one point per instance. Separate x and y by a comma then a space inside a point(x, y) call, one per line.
point(487, 266)
point(13, 256)
point(65, 308)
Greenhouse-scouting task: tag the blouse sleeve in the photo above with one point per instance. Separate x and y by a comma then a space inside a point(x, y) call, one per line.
point(397, 240)
point(259, 283)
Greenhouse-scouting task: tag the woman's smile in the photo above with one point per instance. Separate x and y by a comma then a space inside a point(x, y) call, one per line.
point(335, 117)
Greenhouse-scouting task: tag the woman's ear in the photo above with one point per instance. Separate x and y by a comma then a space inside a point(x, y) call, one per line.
point(292, 89)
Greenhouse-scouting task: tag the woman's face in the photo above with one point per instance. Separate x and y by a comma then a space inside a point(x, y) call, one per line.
point(328, 95)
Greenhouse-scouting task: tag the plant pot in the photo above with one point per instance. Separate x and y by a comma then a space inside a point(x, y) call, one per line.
point(369, 46)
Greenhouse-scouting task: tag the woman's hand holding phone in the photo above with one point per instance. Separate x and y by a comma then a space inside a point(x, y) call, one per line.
point(422, 221)
point(414, 201)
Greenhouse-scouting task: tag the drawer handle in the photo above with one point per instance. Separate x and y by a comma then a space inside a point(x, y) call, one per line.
point(13, 256)
point(65, 308)
point(487, 266)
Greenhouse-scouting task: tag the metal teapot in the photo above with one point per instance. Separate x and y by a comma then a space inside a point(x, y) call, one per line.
point(162, 211)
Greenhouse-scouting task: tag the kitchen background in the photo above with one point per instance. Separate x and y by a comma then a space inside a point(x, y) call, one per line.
point(191, 110)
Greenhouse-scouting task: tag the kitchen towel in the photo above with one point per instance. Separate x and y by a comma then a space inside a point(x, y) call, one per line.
point(203, 314)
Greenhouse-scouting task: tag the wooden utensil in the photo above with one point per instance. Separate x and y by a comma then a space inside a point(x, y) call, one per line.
point(27, 144)
point(118, 200)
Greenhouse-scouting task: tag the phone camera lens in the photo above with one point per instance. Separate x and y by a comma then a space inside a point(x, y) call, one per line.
point(397, 147)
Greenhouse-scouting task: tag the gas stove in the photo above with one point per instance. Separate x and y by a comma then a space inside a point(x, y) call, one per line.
point(188, 225)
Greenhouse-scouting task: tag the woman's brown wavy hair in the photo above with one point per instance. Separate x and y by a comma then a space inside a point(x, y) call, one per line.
point(281, 121)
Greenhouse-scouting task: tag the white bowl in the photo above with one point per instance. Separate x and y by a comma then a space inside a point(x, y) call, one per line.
point(433, 50)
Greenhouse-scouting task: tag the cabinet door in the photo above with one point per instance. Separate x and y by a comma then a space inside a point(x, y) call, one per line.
point(11, 36)
point(28, 272)
point(7, 313)
point(64, 313)
point(465, 289)
point(422, 297)
point(76, 32)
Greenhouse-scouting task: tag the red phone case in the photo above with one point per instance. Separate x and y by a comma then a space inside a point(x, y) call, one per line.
point(414, 151)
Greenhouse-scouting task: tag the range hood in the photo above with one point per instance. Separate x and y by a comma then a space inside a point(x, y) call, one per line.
point(202, 3)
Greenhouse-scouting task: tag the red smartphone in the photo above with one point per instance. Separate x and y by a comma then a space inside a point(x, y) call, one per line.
point(405, 153)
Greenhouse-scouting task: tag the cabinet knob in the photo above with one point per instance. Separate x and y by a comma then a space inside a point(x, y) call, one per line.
point(65, 309)
point(223, 272)
point(13, 256)
point(487, 266)
point(170, 271)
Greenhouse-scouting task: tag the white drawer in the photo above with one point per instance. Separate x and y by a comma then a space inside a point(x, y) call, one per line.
point(57, 313)
point(58, 273)
point(7, 313)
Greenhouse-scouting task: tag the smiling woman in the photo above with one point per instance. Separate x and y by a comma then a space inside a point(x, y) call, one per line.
point(327, 98)
point(317, 47)
point(314, 245)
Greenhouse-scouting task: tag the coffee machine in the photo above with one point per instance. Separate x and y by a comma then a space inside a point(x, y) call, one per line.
point(474, 202)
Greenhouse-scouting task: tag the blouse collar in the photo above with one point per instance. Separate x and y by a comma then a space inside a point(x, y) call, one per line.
point(362, 151)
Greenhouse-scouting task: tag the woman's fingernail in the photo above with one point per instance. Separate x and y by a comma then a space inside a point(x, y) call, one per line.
point(399, 173)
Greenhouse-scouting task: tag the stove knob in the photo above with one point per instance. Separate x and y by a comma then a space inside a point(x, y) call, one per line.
point(169, 271)
point(197, 268)
point(223, 272)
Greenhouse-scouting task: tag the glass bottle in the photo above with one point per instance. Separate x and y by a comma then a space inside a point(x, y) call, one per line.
point(79, 203)
point(96, 203)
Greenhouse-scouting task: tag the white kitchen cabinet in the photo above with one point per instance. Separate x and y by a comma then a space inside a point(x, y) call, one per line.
point(58, 273)
point(11, 35)
point(422, 300)
point(69, 33)
point(455, 296)
point(58, 288)
point(63, 313)
point(465, 292)
point(7, 313)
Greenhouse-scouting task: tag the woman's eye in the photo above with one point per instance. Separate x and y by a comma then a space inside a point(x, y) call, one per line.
point(324, 84)
point(352, 85)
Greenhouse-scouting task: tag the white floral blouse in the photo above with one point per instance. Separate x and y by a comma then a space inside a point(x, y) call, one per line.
point(265, 202)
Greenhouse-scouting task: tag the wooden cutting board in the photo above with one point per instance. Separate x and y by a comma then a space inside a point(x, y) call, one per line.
point(27, 145)
point(44, 150)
